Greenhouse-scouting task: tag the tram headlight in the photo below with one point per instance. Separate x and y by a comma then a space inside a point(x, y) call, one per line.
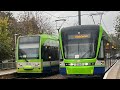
point(63, 64)
point(19, 65)
point(93, 63)
point(60, 64)
point(86, 64)
point(71, 64)
point(37, 64)
point(102, 62)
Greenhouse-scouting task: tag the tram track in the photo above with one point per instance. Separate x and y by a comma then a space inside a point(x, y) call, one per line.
point(38, 76)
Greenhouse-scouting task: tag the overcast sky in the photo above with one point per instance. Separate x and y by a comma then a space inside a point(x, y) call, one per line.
point(108, 18)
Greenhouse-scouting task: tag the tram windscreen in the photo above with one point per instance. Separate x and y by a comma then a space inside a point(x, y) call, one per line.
point(29, 46)
point(79, 43)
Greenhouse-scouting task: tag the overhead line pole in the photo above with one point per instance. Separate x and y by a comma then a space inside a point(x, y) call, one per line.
point(79, 17)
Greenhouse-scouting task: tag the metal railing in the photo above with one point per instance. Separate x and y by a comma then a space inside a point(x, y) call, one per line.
point(7, 65)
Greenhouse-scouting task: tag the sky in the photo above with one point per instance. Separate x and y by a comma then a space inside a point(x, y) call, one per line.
point(71, 17)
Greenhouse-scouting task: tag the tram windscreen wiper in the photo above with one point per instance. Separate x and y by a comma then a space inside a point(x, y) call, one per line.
point(26, 60)
point(85, 53)
point(25, 57)
point(88, 51)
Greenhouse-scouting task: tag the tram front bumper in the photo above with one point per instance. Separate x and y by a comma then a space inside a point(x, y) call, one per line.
point(29, 70)
point(77, 70)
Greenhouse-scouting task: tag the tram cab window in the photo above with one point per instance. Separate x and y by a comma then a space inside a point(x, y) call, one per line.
point(101, 51)
point(50, 51)
point(60, 52)
point(44, 52)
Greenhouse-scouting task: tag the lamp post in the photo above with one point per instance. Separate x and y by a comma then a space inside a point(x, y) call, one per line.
point(15, 38)
point(79, 17)
point(15, 41)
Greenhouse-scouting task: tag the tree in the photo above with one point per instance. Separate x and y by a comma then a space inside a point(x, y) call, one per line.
point(28, 23)
point(117, 25)
point(117, 29)
point(5, 39)
point(34, 23)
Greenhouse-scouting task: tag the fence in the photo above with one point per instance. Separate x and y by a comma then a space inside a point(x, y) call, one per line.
point(7, 65)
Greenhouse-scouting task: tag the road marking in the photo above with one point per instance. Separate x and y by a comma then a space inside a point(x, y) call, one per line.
point(106, 74)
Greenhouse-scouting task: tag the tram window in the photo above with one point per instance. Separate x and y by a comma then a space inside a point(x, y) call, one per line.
point(50, 51)
point(57, 53)
point(54, 53)
point(60, 55)
point(101, 51)
point(44, 53)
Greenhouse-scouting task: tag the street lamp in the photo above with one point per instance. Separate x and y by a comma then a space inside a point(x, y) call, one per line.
point(15, 38)
point(15, 41)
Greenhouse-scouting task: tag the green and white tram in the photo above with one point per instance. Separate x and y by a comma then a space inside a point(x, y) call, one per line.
point(37, 54)
point(86, 50)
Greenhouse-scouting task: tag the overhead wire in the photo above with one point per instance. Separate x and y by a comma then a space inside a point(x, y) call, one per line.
point(105, 26)
point(101, 19)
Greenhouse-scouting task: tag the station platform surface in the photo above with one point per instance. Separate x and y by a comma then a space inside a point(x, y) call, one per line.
point(10, 71)
point(113, 72)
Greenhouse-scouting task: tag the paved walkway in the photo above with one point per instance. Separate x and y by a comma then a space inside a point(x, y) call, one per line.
point(4, 72)
point(114, 72)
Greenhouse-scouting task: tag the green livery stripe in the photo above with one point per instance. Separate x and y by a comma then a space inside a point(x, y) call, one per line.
point(31, 60)
point(61, 47)
point(80, 70)
point(28, 67)
point(21, 70)
point(79, 60)
point(99, 39)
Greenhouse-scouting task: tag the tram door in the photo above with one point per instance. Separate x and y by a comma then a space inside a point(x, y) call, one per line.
point(50, 56)
point(45, 57)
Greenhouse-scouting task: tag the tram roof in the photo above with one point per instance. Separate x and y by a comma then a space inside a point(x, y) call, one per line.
point(81, 27)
